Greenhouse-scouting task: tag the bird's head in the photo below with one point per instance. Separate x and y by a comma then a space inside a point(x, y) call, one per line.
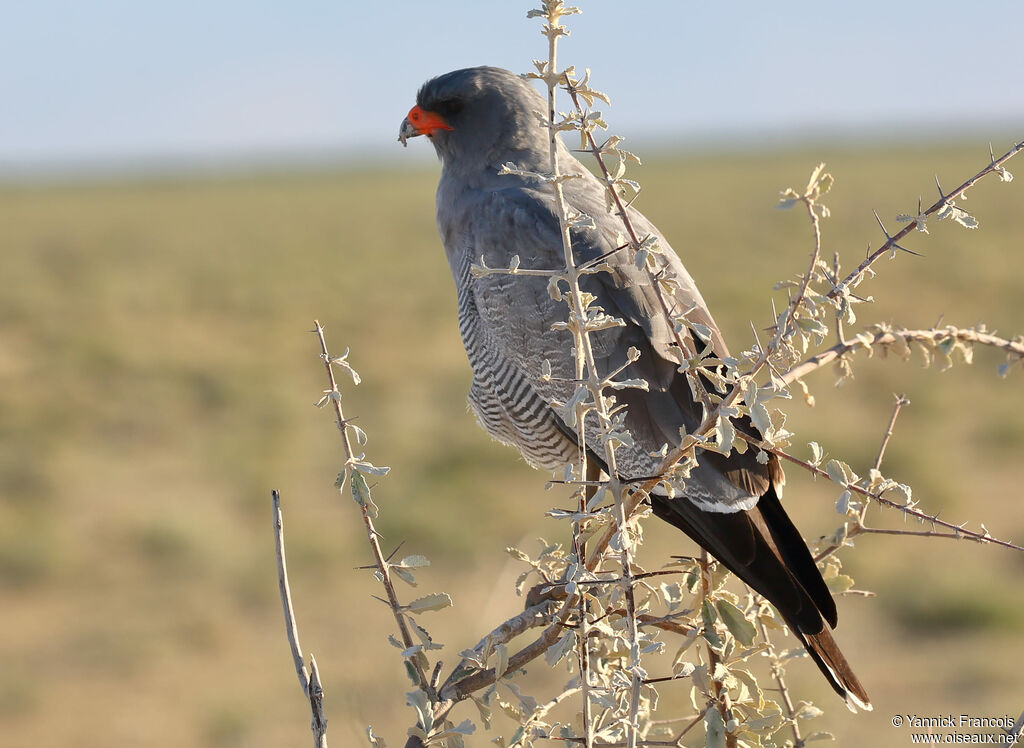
point(476, 114)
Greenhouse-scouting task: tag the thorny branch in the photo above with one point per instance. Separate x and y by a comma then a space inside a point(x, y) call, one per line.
point(958, 532)
point(892, 242)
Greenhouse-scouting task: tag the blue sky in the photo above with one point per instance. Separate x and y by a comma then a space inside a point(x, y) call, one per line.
point(119, 82)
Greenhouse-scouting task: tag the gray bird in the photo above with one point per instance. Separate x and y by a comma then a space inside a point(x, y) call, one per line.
point(481, 118)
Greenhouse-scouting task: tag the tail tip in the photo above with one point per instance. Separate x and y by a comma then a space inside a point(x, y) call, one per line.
point(855, 702)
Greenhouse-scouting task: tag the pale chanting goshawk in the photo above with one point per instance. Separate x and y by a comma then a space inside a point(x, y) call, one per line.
point(482, 118)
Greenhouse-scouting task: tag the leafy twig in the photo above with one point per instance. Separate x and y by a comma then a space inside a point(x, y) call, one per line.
point(352, 462)
point(586, 368)
point(884, 338)
point(720, 695)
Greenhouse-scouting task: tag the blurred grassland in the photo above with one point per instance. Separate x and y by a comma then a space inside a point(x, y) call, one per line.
point(156, 381)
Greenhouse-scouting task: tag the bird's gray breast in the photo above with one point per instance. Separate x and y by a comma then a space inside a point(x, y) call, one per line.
point(510, 328)
point(502, 397)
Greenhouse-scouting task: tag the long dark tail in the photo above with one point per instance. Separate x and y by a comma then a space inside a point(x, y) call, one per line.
point(820, 645)
point(763, 548)
point(825, 653)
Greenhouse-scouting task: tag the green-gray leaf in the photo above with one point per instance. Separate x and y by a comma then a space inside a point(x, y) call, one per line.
point(375, 740)
point(413, 562)
point(708, 616)
point(736, 622)
point(560, 648)
point(405, 575)
point(763, 422)
point(436, 601)
point(418, 701)
point(361, 494)
point(714, 729)
point(837, 471)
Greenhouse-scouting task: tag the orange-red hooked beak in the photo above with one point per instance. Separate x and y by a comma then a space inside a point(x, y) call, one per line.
point(421, 122)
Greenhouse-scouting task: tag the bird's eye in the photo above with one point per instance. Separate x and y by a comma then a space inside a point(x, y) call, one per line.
point(450, 106)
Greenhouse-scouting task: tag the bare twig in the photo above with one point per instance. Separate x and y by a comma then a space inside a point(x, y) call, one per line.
point(309, 681)
point(583, 640)
point(675, 742)
point(315, 693)
point(696, 721)
point(542, 711)
point(901, 401)
point(809, 201)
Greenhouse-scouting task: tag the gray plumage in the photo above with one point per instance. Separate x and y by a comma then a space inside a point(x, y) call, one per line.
point(481, 118)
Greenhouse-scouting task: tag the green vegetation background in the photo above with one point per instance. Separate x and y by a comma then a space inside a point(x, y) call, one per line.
point(157, 380)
